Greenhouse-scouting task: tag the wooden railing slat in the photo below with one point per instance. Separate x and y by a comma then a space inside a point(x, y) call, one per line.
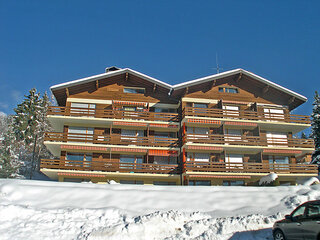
point(244, 114)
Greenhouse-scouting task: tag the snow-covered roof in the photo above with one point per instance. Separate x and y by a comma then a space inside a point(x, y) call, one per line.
point(110, 74)
point(180, 85)
point(233, 72)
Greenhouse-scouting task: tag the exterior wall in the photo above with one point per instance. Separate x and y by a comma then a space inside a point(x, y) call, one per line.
point(112, 89)
point(251, 96)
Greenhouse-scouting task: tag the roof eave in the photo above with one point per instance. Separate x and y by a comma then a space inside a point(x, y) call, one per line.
point(110, 74)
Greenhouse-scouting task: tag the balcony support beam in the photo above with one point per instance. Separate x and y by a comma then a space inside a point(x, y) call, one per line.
point(265, 89)
point(238, 78)
point(291, 100)
point(213, 83)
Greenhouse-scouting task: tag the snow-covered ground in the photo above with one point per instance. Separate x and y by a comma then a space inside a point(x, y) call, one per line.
point(52, 210)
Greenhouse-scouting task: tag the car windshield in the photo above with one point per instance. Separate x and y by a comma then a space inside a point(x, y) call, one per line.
point(298, 213)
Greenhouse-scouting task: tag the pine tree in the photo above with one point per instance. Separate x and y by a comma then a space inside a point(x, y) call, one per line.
point(30, 123)
point(315, 128)
point(9, 164)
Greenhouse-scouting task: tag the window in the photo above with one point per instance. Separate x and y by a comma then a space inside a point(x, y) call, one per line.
point(165, 134)
point(234, 160)
point(164, 160)
point(132, 133)
point(162, 183)
point(200, 105)
point(199, 157)
point(165, 110)
point(228, 90)
point(273, 113)
point(130, 161)
point(233, 183)
point(133, 109)
point(131, 182)
point(82, 109)
point(279, 162)
point(80, 134)
point(232, 135)
point(79, 159)
point(231, 111)
point(134, 90)
point(200, 108)
point(277, 139)
point(313, 210)
point(199, 183)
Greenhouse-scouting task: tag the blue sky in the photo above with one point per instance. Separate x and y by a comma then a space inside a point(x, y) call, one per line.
point(43, 43)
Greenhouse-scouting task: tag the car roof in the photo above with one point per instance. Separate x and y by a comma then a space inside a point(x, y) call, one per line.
point(314, 201)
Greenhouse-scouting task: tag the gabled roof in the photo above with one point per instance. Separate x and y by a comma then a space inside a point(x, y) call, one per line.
point(180, 85)
point(110, 74)
point(234, 72)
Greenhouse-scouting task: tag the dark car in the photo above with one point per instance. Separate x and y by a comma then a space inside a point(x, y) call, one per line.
point(302, 223)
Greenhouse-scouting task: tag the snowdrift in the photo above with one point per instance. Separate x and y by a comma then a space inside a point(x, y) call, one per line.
point(52, 210)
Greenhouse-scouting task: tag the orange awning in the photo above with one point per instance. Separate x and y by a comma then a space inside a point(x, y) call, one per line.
point(128, 103)
point(204, 148)
point(136, 124)
point(282, 151)
point(217, 176)
point(204, 121)
point(87, 148)
point(241, 124)
point(131, 150)
point(165, 153)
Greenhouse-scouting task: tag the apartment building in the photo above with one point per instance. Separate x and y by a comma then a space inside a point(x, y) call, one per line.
point(230, 128)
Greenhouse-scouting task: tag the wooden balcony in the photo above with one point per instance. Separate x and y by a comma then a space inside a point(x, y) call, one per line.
point(107, 166)
point(248, 141)
point(151, 141)
point(252, 168)
point(244, 115)
point(112, 114)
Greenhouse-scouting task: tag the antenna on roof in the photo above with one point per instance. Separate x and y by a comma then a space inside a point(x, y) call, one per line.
point(217, 63)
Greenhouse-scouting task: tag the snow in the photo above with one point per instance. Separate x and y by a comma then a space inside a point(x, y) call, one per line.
point(32, 209)
point(268, 179)
point(309, 181)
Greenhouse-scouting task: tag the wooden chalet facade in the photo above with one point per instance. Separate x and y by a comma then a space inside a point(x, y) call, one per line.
point(230, 128)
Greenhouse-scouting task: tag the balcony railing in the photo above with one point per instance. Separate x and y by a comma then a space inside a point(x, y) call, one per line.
point(252, 168)
point(151, 141)
point(107, 166)
point(112, 114)
point(245, 115)
point(248, 140)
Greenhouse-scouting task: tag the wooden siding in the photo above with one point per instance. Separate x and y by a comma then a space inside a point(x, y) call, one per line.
point(250, 90)
point(111, 88)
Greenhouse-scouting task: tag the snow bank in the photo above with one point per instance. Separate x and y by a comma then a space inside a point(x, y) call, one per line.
point(268, 179)
point(309, 181)
point(52, 210)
